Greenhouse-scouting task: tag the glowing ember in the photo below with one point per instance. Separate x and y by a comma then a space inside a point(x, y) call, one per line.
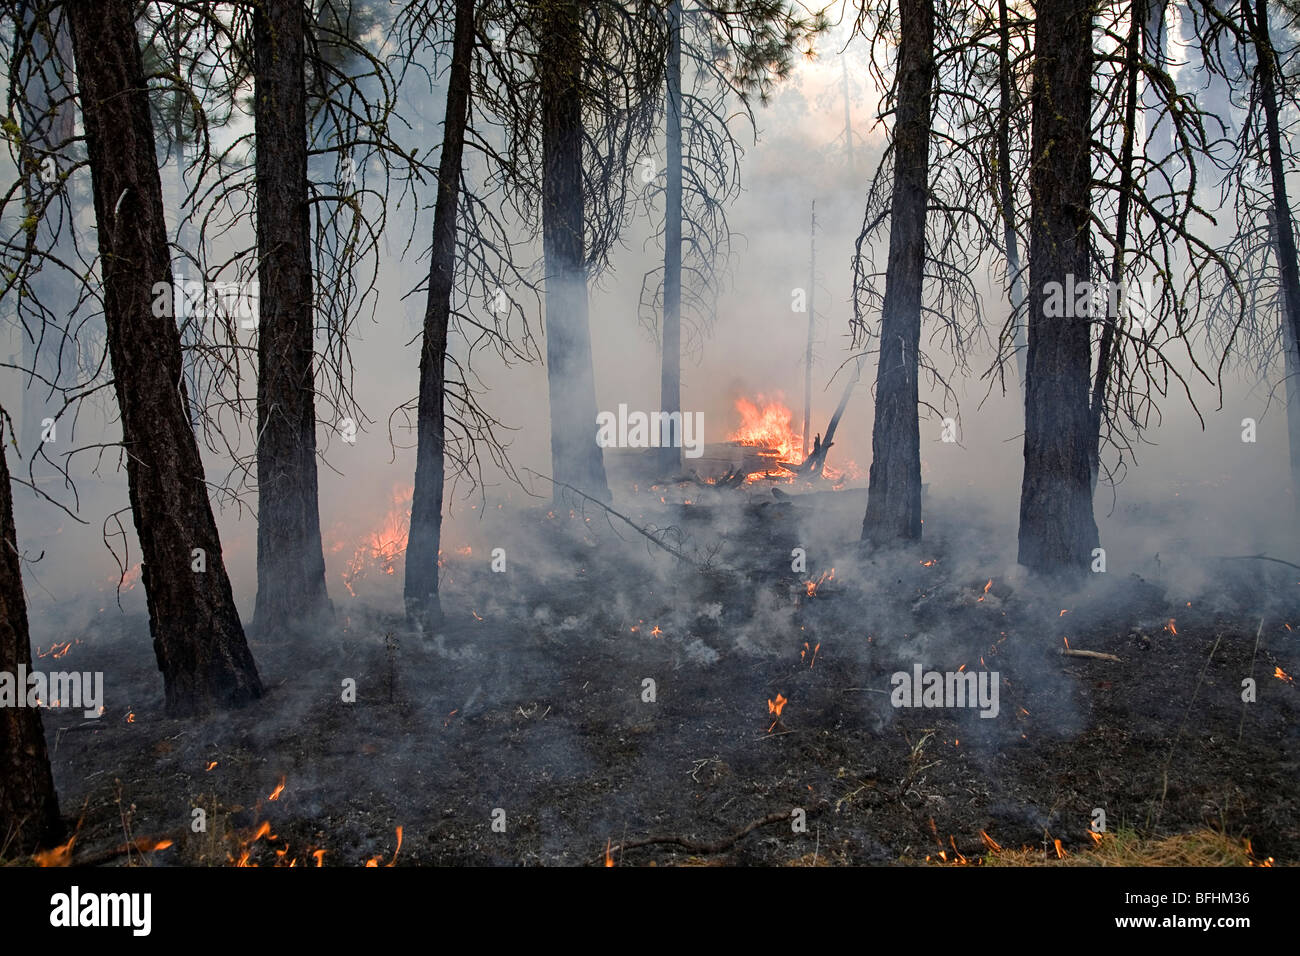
point(1283, 675)
point(929, 564)
point(210, 767)
point(1172, 630)
point(804, 653)
point(130, 717)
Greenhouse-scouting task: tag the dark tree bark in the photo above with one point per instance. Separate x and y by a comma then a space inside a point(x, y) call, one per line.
point(894, 496)
point(1057, 528)
point(423, 610)
point(290, 560)
point(1284, 223)
point(576, 459)
point(29, 807)
point(670, 391)
point(47, 112)
point(1110, 323)
point(198, 639)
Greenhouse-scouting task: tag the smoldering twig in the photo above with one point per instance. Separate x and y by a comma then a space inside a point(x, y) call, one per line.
point(648, 535)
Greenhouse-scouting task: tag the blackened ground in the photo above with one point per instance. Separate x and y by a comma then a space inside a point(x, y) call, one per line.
point(532, 709)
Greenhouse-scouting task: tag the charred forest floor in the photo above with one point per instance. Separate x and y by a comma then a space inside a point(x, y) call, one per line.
point(531, 709)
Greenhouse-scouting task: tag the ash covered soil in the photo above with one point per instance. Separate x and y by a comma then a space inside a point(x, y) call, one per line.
point(530, 707)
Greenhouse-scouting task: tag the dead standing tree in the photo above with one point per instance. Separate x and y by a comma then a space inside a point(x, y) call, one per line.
point(198, 638)
point(718, 53)
point(935, 236)
point(423, 609)
point(1057, 529)
point(29, 806)
point(291, 587)
point(894, 502)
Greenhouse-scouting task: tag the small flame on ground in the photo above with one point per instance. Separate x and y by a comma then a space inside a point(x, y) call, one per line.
point(275, 794)
point(609, 860)
point(1283, 675)
point(774, 707)
point(58, 856)
point(374, 861)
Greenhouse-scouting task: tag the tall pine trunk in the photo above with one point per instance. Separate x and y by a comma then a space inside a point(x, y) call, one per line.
point(894, 495)
point(1269, 69)
point(1283, 222)
point(423, 609)
point(290, 561)
point(670, 389)
point(1057, 528)
point(576, 459)
point(29, 807)
point(1110, 323)
point(198, 638)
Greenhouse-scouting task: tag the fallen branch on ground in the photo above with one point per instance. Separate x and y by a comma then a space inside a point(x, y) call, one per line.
point(1092, 655)
point(648, 535)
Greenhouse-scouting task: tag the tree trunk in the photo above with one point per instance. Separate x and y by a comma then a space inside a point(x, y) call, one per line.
point(1007, 196)
point(1110, 323)
point(894, 495)
point(290, 561)
point(198, 639)
point(1269, 68)
point(1292, 366)
point(29, 807)
point(1057, 529)
point(812, 327)
point(423, 610)
point(576, 459)
point(670, 390)
point(48, 126)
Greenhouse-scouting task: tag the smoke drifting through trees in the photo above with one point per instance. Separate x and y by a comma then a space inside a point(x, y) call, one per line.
point(569, 167)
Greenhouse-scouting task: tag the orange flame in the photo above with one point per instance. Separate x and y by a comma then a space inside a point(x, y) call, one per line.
point(58, 856)
point(769, 425)
point(275, 794)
